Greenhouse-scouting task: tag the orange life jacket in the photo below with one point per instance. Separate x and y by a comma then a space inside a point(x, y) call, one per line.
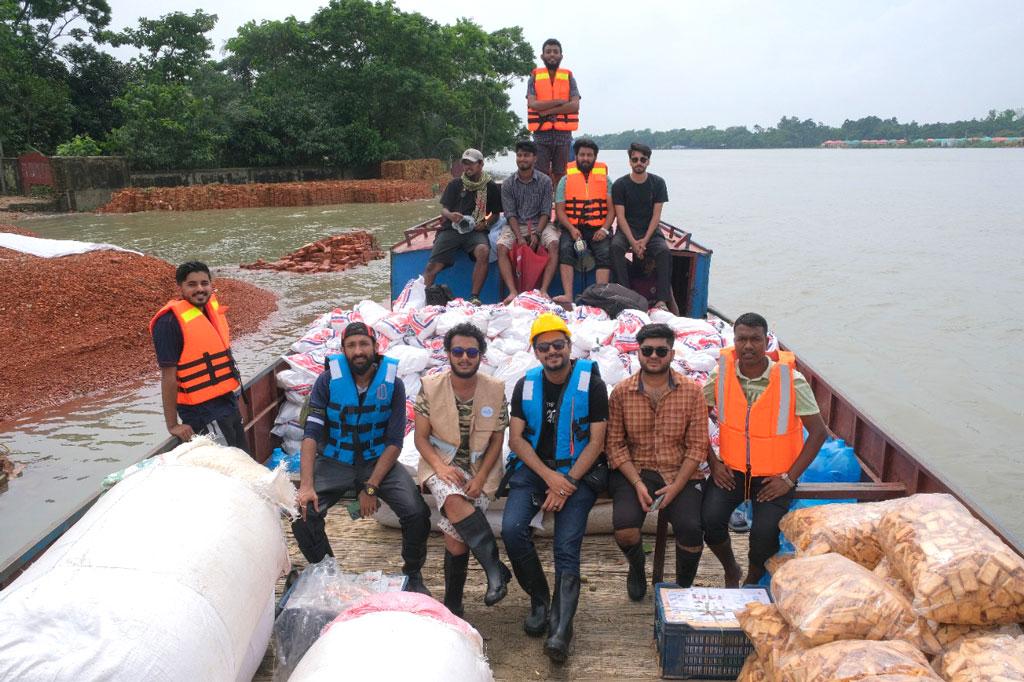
point(764, 438)
point(586, 198)
point(548, 89)
point(206, 368)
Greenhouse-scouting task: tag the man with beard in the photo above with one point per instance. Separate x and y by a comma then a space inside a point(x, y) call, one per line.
point(552, 110)
point(461, 416)
point(764, 404)
point(526, 201)
point(657, 440)
point(357, 409)
point(559, 411)
point(198, 377)
point(470, 205)
point(583, 207)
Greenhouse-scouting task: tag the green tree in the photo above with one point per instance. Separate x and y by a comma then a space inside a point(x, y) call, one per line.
point(79, 145)
point(173, 47)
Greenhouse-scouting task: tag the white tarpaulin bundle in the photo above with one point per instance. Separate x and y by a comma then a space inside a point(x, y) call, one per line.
point(170, 576)
point(52, 248)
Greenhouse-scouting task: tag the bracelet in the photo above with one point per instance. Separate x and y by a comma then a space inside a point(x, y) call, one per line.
point(575, 482)
point(637, 481)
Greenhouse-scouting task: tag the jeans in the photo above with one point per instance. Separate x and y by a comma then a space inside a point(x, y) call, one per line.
point(764, 531)
point(526, 492)
point(332, 479)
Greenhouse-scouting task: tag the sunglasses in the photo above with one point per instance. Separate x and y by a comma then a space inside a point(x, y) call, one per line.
point(459, 351)
point(638, 159)
point(545, 346)
point(648, 351)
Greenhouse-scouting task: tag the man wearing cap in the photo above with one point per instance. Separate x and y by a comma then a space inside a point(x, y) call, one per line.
point(357, 410)
point(470, 205)
point(558, 416)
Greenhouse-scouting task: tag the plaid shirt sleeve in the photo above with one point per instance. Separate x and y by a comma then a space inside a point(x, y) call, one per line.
point(696, 441)
point(615, 438)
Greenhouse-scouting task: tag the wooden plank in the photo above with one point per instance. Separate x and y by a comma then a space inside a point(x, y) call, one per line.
point(842, 491)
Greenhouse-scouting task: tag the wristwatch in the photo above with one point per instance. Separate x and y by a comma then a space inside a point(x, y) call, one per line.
point(370, 490)
point(785, 477)
point(574, 481)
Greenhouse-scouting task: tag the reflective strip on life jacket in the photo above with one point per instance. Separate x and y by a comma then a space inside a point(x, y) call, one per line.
point(586, 198)
point(572, 431)
point(546, 90)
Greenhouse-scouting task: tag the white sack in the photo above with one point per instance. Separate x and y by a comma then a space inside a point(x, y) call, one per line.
point(411, 360)
point(514, 369)
point(372, 312)
point(53, 248)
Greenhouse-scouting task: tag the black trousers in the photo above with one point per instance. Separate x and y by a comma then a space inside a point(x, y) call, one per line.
point(657, 249)
point(231, 427)
point(684, 512)
point(764, 532)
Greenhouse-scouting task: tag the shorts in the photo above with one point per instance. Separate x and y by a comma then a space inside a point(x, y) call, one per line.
point(549, 236)
point(601, 249)
point(448, 243)
point(552, 155)
point(441, 489)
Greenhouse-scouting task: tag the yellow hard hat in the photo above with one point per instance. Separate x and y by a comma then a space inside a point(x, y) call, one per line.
point(548, 322)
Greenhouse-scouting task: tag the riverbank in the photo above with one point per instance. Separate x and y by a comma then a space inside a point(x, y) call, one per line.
point(77, 324)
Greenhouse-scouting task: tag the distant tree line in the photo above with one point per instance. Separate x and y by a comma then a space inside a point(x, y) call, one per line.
point(790, 131)
point(358, 83)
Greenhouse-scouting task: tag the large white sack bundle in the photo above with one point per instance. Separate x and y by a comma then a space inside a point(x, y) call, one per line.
point(169, 576)
point(436, 646)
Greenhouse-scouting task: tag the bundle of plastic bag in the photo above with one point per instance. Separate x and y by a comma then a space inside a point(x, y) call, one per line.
point(828, 597)
point(371, 312)
point(514, 369)
point(410, 360)
point(613, 365)
point(628, 324)
point(412, 297)
point(995, 657)
point(853, 660)
point(777, 560)
point(585, 313)
point(296, 383)
point(770, 633)
point(959, 571)
point(315, 337)
point(850, 530)
point(753, 670)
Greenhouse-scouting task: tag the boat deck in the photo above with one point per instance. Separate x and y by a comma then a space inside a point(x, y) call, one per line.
point(614, 636)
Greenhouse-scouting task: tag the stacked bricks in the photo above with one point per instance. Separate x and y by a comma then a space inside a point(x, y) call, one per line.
point(414, 169)
point(330, 254)
point(262, 195)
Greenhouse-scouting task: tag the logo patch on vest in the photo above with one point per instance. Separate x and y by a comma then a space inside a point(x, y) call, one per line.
point(584, 382)
point(382, 392)
point(487, 411)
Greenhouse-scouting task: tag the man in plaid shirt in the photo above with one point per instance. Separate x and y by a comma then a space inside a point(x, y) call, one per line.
point(657, 440)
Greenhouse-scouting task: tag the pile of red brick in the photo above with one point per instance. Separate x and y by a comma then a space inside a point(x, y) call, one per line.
point(261, 195)
point(413, 169)
point(330, 254)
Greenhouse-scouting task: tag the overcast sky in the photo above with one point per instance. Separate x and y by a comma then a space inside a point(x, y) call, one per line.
point(686, 64)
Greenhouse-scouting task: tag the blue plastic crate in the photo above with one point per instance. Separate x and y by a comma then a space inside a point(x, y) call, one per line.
point(686, 652)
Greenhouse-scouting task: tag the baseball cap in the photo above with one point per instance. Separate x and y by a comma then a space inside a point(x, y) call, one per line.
point(357, 329)
point(473, 155)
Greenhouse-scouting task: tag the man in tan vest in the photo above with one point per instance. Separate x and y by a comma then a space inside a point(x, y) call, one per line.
point(461, 417)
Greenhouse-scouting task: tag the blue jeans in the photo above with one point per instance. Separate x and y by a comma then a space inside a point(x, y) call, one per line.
point(526, 492)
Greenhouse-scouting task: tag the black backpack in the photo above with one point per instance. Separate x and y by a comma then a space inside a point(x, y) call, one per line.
point(439, 294)
point(611, 298)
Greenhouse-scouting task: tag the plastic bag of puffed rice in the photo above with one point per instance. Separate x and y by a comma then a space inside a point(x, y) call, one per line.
point(995, 658)
point(958, 570)
point(773, 639)
point(753, 670)
point(828, 597)
point(856, 660)
point(850, 530)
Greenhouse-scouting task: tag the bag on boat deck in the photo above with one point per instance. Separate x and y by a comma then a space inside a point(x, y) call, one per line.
point(528, 266)
point(997, 657)
point(753, 670)
point(847, 529)
point(853, 660)
point(611, 298)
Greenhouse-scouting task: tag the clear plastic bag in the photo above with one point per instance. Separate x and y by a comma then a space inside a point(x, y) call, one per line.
point(854, 660)
point(993, 657)
point(753, 670)
point(847, 529)
point(773, 639)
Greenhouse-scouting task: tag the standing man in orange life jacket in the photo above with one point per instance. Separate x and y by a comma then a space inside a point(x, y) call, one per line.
point(764, 404)
point(552, 110)
point(198, 377)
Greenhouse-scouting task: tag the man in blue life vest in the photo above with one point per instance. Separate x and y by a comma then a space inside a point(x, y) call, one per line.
point(357, 410)
point(556, 433)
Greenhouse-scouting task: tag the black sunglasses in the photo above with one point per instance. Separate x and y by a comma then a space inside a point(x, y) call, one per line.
point(545, 346)
point(459, 351)
point(638, 159)
point(648, 351)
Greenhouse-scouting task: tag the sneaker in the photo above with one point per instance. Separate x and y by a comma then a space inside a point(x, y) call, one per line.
point(475, 300)
point(738, 522)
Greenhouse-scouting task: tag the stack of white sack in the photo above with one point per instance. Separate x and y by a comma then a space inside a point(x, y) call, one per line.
point(436, 645)
point(170, 576)
point(414, 333)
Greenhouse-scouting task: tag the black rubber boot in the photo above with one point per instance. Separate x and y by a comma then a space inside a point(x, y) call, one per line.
point(476, 532)
point(414, 553)
point(311, 536)
point(636, 581)
point(568, 598)
point(455, 569)
point(686, 566)
point(530, 575)
point(555, 600)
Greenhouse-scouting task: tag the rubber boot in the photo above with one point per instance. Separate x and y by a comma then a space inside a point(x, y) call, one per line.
point(530, 575)
point(476, 532)
point(455, 569)
point(414, 553)
point(686, 566)
point(636, 581)
point(568, 598)
point(555, 601)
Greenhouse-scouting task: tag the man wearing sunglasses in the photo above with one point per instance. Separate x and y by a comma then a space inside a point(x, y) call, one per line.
point(357, 409)
point(461, 417)
point(559, 412)
point(638, 199)
point(657, 440)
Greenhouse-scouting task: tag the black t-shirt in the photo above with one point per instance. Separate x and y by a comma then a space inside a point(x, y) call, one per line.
point(552, 392)
point(639, 199)
point(458, 200)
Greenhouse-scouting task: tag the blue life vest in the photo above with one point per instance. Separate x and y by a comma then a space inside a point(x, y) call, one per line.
point(572, 426)
point(352, 427)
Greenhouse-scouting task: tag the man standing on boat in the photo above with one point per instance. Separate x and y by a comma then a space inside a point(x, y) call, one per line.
point(638, 198)
point(461, 416)
point(764, 404)
point(657, 440)
point(552, 110)
point(357, 409)
point(583, 203)
point(559, 412)
point(198, 377)
point(470, 205)
point(526, 201)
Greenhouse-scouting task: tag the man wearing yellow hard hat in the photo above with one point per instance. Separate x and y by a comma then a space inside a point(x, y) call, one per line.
point(556, 434)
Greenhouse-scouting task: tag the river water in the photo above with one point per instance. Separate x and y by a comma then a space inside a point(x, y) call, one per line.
point(895, 273)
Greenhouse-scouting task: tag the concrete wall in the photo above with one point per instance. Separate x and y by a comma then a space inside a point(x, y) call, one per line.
point(84, 183)
point(10, 171)
point(243, 176)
